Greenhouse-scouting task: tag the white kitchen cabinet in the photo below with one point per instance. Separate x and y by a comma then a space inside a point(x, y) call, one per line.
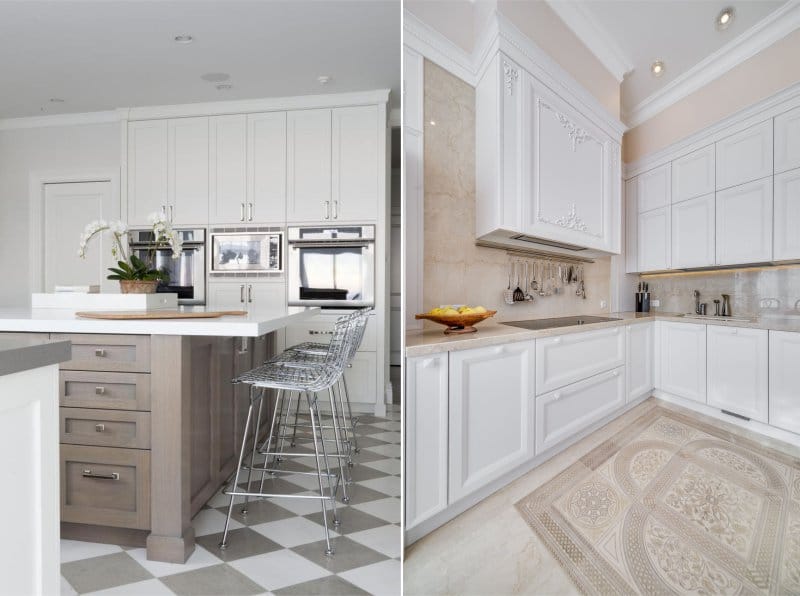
point(738, 371)
point(354, 169)
point(784, 380)
point(631, 224)
point(425, 457)
point(491, 414)
point(308, 164)
point(682, 359)
point(188, 167)
point(654, 188)
point(148, 149)
point(228, 192)
point(693, 175)
point(565, 412)
point(744, 156)
point(787, 141)
point(654, 240)
point(362, 382)
point(247, 294)
point(786, 241)
point(640, 361)
point(693, 233)
point(320, 329)
point(744, 223)
point(567, 358)
point(227, 295)
point(266, 167)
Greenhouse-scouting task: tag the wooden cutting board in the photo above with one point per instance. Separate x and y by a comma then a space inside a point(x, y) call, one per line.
point(158, 314)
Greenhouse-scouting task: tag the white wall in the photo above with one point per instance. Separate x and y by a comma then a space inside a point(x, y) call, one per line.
point(63, 149)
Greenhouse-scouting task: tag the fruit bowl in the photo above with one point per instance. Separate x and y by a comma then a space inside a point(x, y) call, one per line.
point(460, 323)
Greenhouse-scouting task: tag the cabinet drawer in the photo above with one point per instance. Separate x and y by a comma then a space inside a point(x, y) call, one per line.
point(319, 329)
point(568, 358)
point(108, 390)
point(105, 486)
point(81, 426)
point(121, 353)
point(567, 411)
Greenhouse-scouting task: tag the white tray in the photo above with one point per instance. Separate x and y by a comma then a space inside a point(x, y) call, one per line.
point(65, 300)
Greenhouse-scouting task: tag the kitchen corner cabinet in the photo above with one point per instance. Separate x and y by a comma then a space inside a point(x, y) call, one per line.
point(738, 377)
point(426, 422)
point(693, 233)
point(744, 223)
point(681, 364)
point(654, 240)
point(787, 141)
point(744, 156)
point(786, 240)
point(639, 350)
point(694, 175)
point(784, 379)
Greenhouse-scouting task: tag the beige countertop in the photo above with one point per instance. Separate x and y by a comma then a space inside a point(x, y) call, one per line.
point(432, 340)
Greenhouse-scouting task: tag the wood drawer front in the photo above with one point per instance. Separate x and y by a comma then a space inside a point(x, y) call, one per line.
point(121, 501)
point(569, 358)
point(122, 353)
point(113, 391)
point(81, 426)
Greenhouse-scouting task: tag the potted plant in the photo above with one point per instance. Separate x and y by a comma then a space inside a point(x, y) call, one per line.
point(135, 276)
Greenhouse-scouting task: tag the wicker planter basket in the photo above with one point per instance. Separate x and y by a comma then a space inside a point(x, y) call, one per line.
point(137, 286)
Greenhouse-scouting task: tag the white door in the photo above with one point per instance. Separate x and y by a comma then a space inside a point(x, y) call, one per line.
point(148, 162)
point(654, 188)
point(738, 377)
point(266, 167)
point(640, 360)
point(355, 167)
point(787, 141)
point(693, 232)
point(228, 196)
point(682, 360)
point(68, 207)
point(787, 216)
point(308, 166)
point(744, 223)
point(654, 240)
point(188, 171)
point(745, 156)
point(693, 175)
point(784, 380)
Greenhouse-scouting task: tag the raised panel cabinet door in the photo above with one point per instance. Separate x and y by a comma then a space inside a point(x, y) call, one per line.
point(308, 162)
point(744, 223)
point(787, 141)
point(231, 295)
point(188, 171)
point(738, 371)
point(228, 196)
point(654, 240)
point(266, 167)
point(491, 414)
point(745, 156)
point(640, 360)
point(693, 175)
point(693, 232)
point(425, 457)
point(654, 188)
point(355, 191)
point(362, 380)
point(267, 296)
point(631, 225)
point(787, 216)
point(682, 360)
point(148, 147)
point(784, 380)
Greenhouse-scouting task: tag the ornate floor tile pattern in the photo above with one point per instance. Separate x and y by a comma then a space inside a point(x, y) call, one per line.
point(278, 547)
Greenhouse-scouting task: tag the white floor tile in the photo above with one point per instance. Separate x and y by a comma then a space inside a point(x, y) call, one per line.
point(308, 482)
point(74, 550)
point(388, 485)
point(211, 521)
point(391, 450)
point(292, 531)
point(150, 587)
point(381, 579)
point(300, 506)
point(219, 500)
point(66, 589)
point(280, 568)
point(389, 466)
point(384, 539)
point(388, 509)
point(200, 558)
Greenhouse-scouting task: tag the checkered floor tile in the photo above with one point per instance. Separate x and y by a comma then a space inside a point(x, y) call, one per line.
point(279, 546)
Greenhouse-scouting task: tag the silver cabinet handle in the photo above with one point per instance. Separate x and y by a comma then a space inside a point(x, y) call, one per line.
point(249, 293)
point(336, 210)
point(100, 390)
point(313, 332)
point(100, 352)
point(90, 474)
point(241, 293)
point(99, 428)
point(249, 211)
point(241, 212)
point(326, 213)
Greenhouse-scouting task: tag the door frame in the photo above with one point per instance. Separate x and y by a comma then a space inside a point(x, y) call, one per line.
point(36, 188)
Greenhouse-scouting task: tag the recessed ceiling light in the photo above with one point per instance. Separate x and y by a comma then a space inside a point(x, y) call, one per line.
point(215, 77)
point(725, 18)
point(223, 86)
point(323, 79)
point(432, 122)
point(56, 100)
point(184, 39)
point(657, 68)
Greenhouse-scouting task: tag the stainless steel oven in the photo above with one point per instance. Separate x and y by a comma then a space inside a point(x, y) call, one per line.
point(187, 274)
point(332, 266)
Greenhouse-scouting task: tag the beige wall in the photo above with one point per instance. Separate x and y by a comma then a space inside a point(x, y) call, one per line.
point(763, 75)
point(452, 18)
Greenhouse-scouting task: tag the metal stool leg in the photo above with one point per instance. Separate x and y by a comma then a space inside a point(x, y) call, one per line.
point(268, 445)
point(256, 428)
point(350, 415)
point(224, 544)
point(282, 425)
point(296, 420)
point(311, 409)
point(331, 492)
point(339, 447)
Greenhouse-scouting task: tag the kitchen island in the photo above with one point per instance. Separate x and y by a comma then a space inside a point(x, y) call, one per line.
point(149, 419)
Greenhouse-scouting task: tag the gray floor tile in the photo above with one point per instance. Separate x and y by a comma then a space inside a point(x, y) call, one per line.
point(364, 441)
point(364, 456)
point(332, 585)
point(348, 554)
point(101, 573)
point(243, 542)
point(361, 494)
point(366, 429)
point(218, 579)
point(258, 512)
point(358, 473)
point(352, 520)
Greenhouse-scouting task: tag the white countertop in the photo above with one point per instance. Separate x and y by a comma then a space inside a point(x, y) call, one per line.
point(53, 320)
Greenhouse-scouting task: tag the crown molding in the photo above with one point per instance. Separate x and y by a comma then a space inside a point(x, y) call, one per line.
point(594, 37)
point(760, 36)
point(424, 39)
point(60, 120)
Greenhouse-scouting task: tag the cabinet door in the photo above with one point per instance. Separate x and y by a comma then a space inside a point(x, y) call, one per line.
point(356, 192)
point(693, 232)
point(491, 414)
point(362, 380)
point(266, 167)
point(425, 457)
point(744, 223)
point(654, 240)
point(228, 169)
point(227, 294)
point(693, 175)
point(745, 156)
point(631, 225)
point(787, 141)
point(654, 188)
point(640, 360)
point(188, 171)
point(738, 371)
point(682, 360)
point(266, 295)
point(787, 216)
point(308, 165)
point(148, 148)
point(784, 380)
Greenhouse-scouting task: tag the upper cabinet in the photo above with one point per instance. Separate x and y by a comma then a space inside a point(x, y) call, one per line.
point(148, 147)
point(653, 188)
point(693, 233)
point(787, 216)
point(355, 180)
point(693, 175)
point(745, 156)
point(744, 223)
point(266, 167)
point(228, 203)
point(787, 141)
point(308, 166)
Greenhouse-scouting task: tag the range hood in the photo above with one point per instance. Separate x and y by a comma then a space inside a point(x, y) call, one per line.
point(536, 247)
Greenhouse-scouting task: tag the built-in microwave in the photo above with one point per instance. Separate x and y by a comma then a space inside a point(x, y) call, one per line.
point(331, 266)
point(248, 251)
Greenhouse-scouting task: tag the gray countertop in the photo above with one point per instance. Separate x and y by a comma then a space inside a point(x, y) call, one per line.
point(20, 354)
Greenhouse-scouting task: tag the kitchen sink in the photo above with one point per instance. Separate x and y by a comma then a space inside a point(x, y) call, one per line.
point(691, 315)
point(538, 324)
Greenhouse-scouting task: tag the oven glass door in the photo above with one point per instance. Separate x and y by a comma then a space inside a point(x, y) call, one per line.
point(333, 274)
point(183, 272)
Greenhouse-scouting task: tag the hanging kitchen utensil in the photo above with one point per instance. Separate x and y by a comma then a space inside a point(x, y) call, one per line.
point(519, 295)
point(508, 295)
point(534, 284)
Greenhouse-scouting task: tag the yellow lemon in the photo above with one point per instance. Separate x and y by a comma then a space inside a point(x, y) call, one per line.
point(479, 309)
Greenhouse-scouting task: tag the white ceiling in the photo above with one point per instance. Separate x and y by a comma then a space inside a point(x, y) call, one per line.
point(103, 55)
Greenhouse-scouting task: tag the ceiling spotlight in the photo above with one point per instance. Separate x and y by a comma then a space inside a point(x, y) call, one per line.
point(223, 86)
point(323, 79)
point(725, 18)
point(184, 39)
point(432, 122)
point(657, 68)
point(215, 77)
point(56, 100)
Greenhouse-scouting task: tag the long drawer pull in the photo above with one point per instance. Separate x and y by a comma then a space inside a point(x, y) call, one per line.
point(100, 390)
point(314, 332)
point(90, 474)
point(99, 428)
point(100, 352)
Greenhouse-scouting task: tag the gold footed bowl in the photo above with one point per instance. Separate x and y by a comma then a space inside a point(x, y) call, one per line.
point(457, 324)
